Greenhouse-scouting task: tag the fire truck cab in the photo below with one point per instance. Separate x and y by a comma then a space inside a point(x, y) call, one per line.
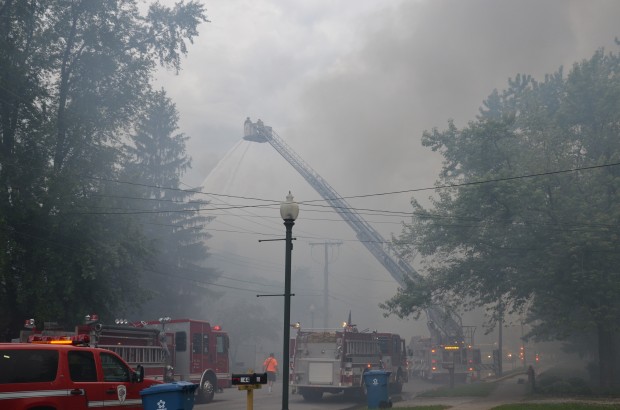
point(198, 353)
point(58, 373)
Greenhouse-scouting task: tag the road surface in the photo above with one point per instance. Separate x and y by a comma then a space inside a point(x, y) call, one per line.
point(233, 399)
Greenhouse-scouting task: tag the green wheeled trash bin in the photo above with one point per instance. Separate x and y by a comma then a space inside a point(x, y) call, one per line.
point(377, 394)
point(169, 396)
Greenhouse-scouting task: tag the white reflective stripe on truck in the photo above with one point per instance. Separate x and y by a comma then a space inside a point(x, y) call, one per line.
point(35, 393)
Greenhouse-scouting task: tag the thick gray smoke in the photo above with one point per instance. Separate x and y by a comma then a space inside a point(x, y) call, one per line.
point(351, 87)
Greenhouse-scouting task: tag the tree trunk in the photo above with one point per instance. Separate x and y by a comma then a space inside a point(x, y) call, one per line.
point(63, 94)
point(606, 357)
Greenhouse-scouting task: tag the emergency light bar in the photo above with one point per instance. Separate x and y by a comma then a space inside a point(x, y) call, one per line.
point(79, 340)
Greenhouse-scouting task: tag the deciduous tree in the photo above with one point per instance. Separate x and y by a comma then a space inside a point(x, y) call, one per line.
point(73, 76)
point(526, 215)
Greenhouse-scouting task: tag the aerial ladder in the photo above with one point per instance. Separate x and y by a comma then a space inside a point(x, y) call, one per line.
point(444, 327)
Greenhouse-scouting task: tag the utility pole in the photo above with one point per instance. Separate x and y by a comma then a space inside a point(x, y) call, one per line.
point(325, 279)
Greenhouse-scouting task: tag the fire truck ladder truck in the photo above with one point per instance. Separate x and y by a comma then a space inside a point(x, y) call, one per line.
point(442, 326)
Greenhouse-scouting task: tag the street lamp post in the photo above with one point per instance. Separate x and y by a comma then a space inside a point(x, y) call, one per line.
point(288, 211)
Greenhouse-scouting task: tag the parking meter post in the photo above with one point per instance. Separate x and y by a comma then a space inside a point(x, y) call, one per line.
point(249, 382)
point(249, 398)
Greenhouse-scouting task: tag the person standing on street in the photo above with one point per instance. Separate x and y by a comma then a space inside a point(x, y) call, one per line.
point(270, 365)
point(531, 378)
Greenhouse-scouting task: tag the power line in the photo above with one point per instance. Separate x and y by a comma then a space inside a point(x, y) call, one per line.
point(447, 186)
point(456, 185)
point(271, 204)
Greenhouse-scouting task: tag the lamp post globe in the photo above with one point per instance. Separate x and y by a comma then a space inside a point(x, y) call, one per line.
point(289, 211)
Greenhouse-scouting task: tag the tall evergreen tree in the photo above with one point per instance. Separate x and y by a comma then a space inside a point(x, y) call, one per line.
point(175, 223)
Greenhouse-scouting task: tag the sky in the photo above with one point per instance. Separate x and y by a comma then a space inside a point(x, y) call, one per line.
point(350, 86)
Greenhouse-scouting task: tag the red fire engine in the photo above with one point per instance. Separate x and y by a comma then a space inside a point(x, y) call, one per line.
point(168, 349)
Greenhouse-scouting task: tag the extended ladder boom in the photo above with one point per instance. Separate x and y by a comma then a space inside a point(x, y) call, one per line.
point(366, 234)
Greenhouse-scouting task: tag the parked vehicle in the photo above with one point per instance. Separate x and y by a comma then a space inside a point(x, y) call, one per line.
point(56, 373)
point(436, 362)
point(335, 360)
point(168, 349)
point(394, 359)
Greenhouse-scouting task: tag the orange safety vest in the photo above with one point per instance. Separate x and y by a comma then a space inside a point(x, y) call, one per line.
point(270, 364)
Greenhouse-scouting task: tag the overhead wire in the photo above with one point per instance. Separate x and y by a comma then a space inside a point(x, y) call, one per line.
point(438, 187)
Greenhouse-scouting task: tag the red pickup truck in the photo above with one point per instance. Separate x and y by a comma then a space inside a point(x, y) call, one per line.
point(57, 376)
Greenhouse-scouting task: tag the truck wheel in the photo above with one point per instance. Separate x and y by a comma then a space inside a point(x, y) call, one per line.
point(312, 395)
point(353, 394)
point(206, 391)
point(363, 391)
point(398, 383)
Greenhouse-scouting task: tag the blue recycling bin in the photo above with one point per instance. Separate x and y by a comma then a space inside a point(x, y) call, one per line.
point(169, 396)
point(377, 393)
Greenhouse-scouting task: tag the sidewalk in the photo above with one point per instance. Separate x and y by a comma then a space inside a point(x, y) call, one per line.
point(509, 390)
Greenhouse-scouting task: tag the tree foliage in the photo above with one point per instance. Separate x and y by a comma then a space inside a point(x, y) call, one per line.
point(73, 79)
point(526, 215)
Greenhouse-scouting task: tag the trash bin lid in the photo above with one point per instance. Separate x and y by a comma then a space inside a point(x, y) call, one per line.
point(377, 373)
point(168, 387)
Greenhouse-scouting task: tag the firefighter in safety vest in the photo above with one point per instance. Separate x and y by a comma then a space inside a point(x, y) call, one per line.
point(270, 365)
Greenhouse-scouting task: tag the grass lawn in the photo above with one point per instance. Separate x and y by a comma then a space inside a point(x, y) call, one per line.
point(423, 408)
point(561, 389)
point(556, 406)
point(531, 406)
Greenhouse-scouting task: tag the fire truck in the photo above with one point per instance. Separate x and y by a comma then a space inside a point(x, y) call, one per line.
point(394, 359)
point(168, 349)
point(335, 360)
point(436, 362)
